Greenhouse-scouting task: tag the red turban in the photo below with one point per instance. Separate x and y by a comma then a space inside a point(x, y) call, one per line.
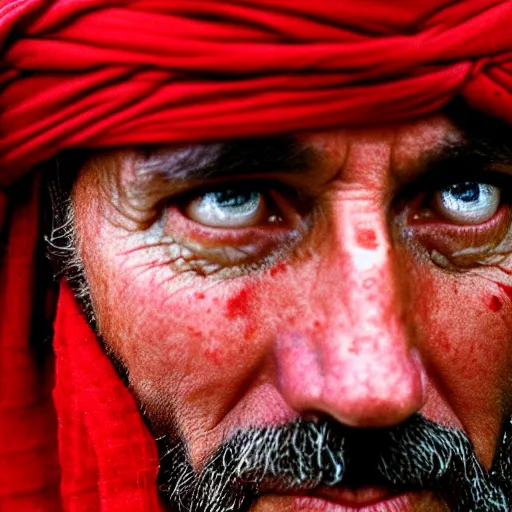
point(98, 73)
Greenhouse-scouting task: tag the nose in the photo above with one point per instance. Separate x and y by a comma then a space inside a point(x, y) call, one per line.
point(356, 362)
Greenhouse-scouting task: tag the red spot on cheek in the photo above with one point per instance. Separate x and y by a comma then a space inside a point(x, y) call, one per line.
point(199, 295)
point(277, 269)
point(367, 239)
point(239, 305)
point(194, 332)
point(250, 331)
point(495, 304)
point(213, 355)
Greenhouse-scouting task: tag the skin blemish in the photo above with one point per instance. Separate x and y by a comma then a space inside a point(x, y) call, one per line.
point(213, 355)
point(495, 304)
point(250, 331)
point(194, 332)
point(277, 269)
point(367, 239)
point(239, 305)
point(199, 295)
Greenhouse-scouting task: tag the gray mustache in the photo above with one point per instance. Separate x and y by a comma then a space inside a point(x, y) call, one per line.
point(304, 455)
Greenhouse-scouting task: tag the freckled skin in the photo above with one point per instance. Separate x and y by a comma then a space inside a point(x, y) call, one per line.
point(357, 322)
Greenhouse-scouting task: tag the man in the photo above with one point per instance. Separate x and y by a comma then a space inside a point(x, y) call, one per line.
point(311, 313)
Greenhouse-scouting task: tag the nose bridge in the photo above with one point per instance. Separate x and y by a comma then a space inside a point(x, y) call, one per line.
point(367, 280)
point(363, 367)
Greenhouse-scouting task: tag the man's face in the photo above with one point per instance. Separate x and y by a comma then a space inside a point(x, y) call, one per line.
point(352, 277)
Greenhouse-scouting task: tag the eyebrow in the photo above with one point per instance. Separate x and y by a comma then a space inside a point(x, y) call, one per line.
point(484, 145)
point(487, 139)
point(240, 158)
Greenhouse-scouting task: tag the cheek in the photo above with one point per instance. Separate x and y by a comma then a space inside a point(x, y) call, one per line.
point(188, 328)
point(464, 331)
point(466, 320)
point(190, 343)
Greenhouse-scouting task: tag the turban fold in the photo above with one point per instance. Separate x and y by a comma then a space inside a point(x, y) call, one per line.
point(94, 73)
point(102, 73)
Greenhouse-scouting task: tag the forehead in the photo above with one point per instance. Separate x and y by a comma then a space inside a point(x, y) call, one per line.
point(406, 147)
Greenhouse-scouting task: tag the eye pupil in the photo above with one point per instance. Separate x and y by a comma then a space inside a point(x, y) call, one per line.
point(234, 198)
point(466, 192)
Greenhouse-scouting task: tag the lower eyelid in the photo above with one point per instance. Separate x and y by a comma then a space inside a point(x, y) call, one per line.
point(178, 223)
point(448, 238)
point(225, 247)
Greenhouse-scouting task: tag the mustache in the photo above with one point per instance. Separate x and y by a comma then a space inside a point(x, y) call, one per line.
point(303, 455)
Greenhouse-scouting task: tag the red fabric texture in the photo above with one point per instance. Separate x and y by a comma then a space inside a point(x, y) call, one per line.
point(29, 467)
point(100, 73)
point(96, 73)
point(100, 429)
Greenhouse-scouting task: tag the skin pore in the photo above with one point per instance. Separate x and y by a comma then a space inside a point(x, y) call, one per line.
point(338, 282)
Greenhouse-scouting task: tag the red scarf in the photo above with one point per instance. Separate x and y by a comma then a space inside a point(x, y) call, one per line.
point(99, 73)
point(108, 459)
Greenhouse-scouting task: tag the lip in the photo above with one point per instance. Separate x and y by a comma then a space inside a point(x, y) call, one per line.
point(364, 499)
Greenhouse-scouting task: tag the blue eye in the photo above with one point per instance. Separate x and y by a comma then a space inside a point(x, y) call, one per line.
point(228, 208)
point(467, 202)
point(233, 200)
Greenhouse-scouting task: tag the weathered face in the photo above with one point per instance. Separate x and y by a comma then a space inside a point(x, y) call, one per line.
point(356, 277)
